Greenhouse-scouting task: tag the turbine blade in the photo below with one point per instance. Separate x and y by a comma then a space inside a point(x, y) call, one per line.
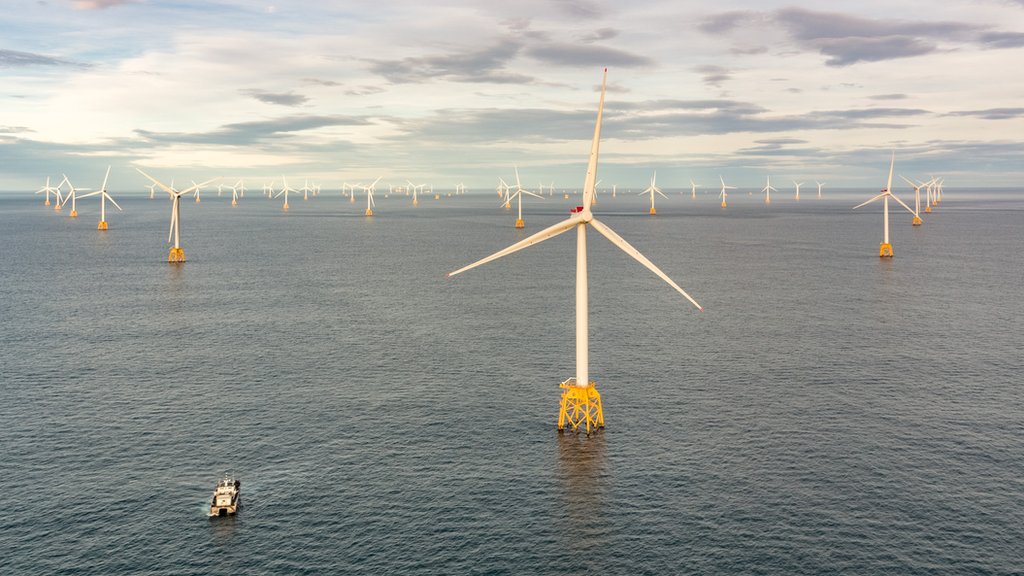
point(112, 201)
point(628, 249)
point(896, 198)
point(869, 201)
point(589, 183)
point(660, 192)
point(154, 180)
point(105, 178)
point(81, 196)
point(549, 232)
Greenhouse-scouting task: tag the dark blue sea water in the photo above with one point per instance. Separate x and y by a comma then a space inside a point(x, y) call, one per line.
point(829, 412)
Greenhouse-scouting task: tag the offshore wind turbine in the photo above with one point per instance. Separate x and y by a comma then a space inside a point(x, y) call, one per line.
point(820, 184)
point(102, 192)
point(72, 194)
point(519, 195)
point(917, 197)
point(581, 403)
point(723, 194)
point(285, 191)
point(198, 188)
point(47, 189)
point(152, 190)
point(415, 199)
point(652, 190)
point(885, 249)
point(693, 189)
point(370, 204)
point(768, 188)
point(798, 185)
point(176, 255)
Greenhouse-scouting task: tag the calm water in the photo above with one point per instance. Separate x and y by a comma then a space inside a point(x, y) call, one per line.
point(830, 412)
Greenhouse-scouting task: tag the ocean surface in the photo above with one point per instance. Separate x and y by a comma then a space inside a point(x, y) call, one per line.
point(830, 412)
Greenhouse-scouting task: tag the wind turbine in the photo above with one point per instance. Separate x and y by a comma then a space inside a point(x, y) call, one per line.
point(198, 187)
point(885, 249)
point(370, 204)
point(415, 199)
point(285, 191)
point(519, 195)
point(152, 190)
point(693, 189)
point(820, 184)
point(798, 185)
point(72, 194)
point(581, 403)
point(652, 190)
point(306, 190)
point(176, 255)
point(723, 194)
point(768, 188)
point(47, 189)
point(102, 192)
point(234, 192)
point(917, 197)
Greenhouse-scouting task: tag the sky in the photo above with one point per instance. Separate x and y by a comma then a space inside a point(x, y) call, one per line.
point(451, 91)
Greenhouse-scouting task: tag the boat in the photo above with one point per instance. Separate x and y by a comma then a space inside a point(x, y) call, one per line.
point(227, 497)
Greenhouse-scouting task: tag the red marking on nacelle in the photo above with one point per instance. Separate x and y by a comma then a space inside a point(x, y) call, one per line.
point(576, 210)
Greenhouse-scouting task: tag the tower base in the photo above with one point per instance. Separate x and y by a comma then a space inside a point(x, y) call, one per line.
point(723, 203)
point(928, 209)
point(198, 200)
point(580, 407)
point(415, 202)
point(566, 196)
point(437, 196)
point(885, 250)
point(653, 211)
point(47, 202)
point(102, 226)
point(285, 207)
point(520, 223)
point(57, 206)
point(507, 206)
point(176, 256)
point(917, 220)
point(74, 214)
point(369, 212)
point(234, 202)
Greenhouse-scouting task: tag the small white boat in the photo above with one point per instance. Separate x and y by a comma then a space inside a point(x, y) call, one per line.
point(226, 498)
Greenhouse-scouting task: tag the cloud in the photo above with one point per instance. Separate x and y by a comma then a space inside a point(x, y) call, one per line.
point(845, 39)
point(15, 130)
point(282, 99)
point(888, 97)
point(1003, 39)
point(727, 21)
point(580, 8)
point(714, 75)
point(243, 133)
point(321, 82)
point(599, 34)
point(100, 4)
point(991, 113)
point(13, 58)
point(588, 55)
point(486, 65)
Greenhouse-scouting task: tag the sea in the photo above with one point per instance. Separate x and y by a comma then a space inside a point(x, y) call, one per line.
point(830, 411)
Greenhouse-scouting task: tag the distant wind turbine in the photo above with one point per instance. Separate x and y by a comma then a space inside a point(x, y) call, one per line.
point(652, 190)
point(768, 188)
point(723, 194)
point(885, 249)
point(102, 193)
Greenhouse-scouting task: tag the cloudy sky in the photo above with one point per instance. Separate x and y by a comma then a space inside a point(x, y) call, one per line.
point(452, 91)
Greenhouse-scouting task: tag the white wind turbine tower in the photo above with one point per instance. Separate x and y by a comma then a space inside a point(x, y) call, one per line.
point(241, 187)
point(234, 192)
point(520, 223)
point(693, 189)
point(370, 204)
point(46, 189)
point(652, 190)
point(504, 187)
point(917, 197)
point(885, 249)
point(285, 191)
point(72, 194)
point(306, 190)
point(198, 187)
point(768, 188)
point(104, 196)
point(351, 191)
point(820, 184)
point(580, 402)
point(798, 185)
point(415, 198)
point(176, 255)
point(723, 194)
point(152, 191)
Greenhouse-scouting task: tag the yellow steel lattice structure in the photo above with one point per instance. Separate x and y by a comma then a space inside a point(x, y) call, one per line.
point(580, 407)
